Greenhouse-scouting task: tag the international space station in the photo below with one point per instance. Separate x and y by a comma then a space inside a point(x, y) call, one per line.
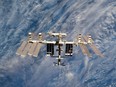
point(34, 42)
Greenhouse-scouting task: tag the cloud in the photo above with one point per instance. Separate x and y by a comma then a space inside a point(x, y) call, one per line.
point(70, 76)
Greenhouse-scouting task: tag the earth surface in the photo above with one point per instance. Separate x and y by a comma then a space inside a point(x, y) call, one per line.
point(95, 17)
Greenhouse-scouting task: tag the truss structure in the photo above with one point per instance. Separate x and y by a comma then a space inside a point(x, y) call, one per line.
point(34, 43)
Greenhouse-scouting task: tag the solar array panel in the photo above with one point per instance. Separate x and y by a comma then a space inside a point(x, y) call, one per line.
point(35, 53)
point(85, 48)
point(31, 49)
point(20, 49)
point(69, 49)
point(50, 49)
point(26, 49)
point(94, 48)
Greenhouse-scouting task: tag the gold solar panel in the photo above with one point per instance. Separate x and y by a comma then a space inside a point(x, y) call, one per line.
point(85, 38)
point(20, 49)
point(82, 48)
point(31, 50)
point(35, 53)
point(26, 49)
point(94, 48)
point(85, 48)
